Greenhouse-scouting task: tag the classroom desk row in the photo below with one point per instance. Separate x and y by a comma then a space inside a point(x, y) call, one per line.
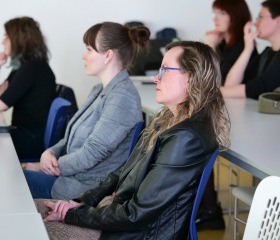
point(254, 148)
point(254, 135)
point(19, 218)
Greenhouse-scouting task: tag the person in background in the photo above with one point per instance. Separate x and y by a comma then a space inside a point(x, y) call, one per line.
point(98, 136)
point(30, 87)
point(264, 74)
point(154, 194)
point(230, 16)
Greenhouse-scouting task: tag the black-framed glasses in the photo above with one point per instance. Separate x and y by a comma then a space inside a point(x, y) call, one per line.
point(164, 69)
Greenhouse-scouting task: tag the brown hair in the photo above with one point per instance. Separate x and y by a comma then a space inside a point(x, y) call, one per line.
point(239, 13)
point(127, 41)
point(203, 97)
point(27, 41)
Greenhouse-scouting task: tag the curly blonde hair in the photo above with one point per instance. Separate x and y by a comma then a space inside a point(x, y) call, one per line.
point(203, 95)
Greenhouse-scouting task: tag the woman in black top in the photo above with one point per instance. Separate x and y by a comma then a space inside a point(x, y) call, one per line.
point(226, 39)
point(229, 18)
point(264, 71)
point(30, 87)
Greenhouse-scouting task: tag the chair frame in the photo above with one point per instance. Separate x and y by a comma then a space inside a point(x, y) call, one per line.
point(200, 190)
point(135, 136)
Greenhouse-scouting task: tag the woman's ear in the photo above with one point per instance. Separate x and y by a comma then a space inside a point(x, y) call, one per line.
point(109, 55)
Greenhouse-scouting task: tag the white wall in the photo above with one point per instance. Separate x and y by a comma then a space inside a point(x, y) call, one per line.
point(64, 22)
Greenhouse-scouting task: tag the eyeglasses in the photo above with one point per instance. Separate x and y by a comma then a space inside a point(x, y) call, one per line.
point(219, 13)
point(259, 18)
point(165, 69)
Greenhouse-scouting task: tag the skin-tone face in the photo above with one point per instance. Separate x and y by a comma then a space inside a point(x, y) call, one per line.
point(266, 25)
point(95, 62)
point(6, 44)
point(221, 20)
point(171, 89)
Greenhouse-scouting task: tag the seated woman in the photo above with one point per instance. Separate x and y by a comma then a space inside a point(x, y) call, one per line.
point(154, 194)
point(226, 39)
point(30, 87)
point(264, 70)
point(97, 138)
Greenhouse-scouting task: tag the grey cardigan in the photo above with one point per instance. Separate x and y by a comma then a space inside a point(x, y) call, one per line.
point(97, 138)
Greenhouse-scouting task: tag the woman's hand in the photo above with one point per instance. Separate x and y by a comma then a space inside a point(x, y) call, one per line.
point(52, 216)
point(49, 163)
point(249, 37)
point(59, 209)
point(213, 39)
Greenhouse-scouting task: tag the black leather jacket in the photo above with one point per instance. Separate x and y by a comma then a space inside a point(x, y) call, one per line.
point(155, 190)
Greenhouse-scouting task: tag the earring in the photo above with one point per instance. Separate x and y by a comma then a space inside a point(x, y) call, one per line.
point(105, 62)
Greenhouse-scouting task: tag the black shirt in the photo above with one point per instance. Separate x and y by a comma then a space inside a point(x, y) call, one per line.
point(229, 55)
point(31, 91)
point(264, 74)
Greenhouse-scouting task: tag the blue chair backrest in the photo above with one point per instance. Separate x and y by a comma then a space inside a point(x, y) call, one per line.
point(200, 190)
point(57, 121)
point(135, 136)
point(67, 93)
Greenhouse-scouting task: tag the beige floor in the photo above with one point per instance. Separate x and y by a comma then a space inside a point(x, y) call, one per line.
point(222, 172)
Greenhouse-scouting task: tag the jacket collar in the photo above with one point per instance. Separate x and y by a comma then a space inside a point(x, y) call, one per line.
point(121, 76)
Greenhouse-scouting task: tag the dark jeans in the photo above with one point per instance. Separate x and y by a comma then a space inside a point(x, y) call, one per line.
point(40, 184)
point(28, 142)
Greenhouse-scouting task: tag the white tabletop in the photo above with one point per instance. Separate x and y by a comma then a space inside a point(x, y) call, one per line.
point(15, 194)
point(254, 135)
point(23, 227)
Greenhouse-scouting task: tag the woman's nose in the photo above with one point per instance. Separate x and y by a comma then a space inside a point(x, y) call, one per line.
point(156, 79)
point(83, 56)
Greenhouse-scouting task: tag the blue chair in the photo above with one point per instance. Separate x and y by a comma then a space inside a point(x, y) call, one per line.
point(56, 124)
point(57, 121)
point(67, 93)
point(135, 137)
point(200, 190)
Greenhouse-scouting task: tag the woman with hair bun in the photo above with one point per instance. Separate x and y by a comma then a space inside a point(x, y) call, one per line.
point(97, 138)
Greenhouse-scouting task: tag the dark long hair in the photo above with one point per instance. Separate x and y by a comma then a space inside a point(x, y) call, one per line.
point(239, 13)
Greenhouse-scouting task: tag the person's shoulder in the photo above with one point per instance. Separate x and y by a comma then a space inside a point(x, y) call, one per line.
point(35, 64)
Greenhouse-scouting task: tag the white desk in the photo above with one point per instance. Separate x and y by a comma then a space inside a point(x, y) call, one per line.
point(18, 214)
point(254, 135)
point(24, 226)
